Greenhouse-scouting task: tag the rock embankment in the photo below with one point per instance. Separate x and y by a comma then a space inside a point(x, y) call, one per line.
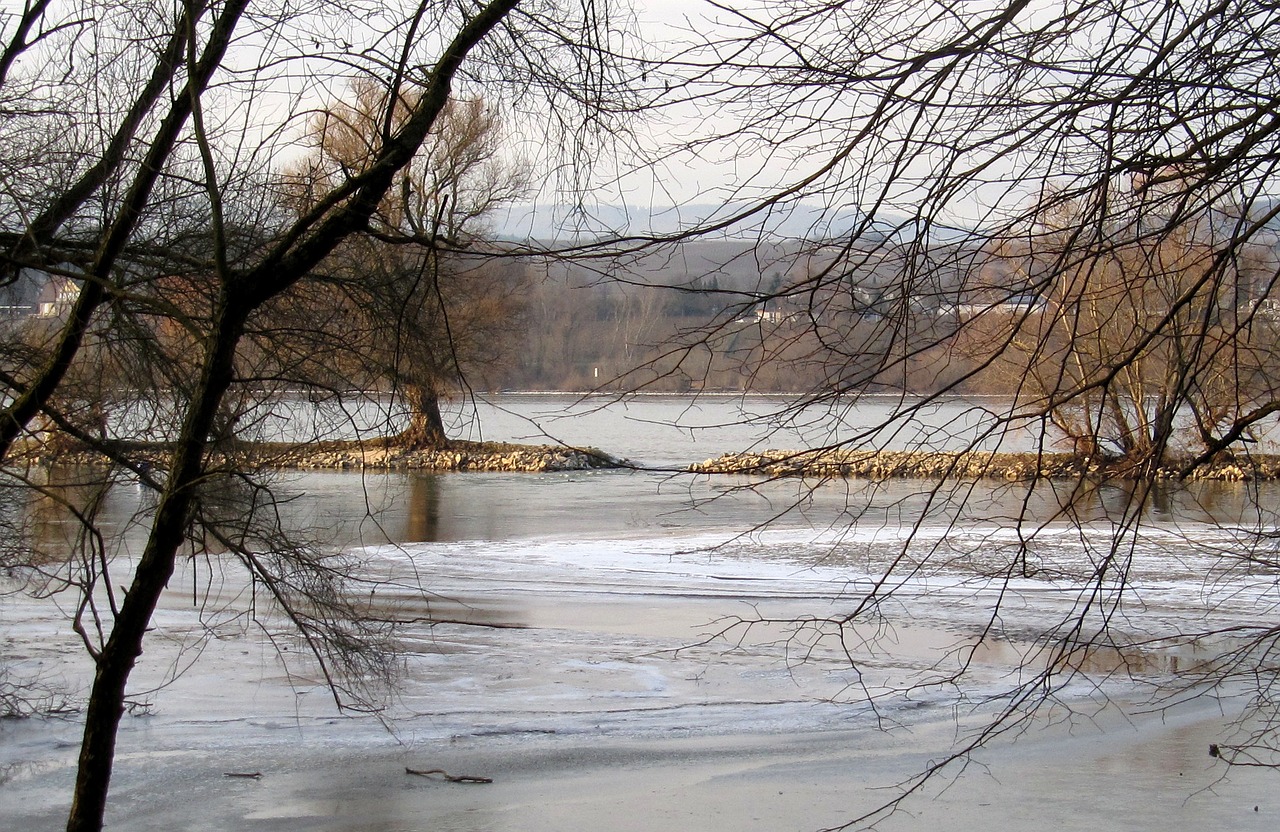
point(461, 456)
point(342, 456)
point(965, 466)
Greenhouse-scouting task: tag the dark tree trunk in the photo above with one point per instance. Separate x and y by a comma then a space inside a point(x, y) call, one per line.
point(242, 293)
point(426, 425)
point(155, 567)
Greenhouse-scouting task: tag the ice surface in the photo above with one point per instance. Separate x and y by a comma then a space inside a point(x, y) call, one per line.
point(633, 651)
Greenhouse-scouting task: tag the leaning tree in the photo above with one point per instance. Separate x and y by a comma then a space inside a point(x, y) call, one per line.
point(141, 146)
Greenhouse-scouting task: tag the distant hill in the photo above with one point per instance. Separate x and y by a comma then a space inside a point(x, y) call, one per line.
point(563, 222)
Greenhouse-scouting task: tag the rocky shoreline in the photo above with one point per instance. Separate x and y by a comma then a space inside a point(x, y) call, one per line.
point(934, 465)
point(459, 456)
point(373, 456)
point(831, 464)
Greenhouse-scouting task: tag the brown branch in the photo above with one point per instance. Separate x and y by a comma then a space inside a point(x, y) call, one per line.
point(452, 778)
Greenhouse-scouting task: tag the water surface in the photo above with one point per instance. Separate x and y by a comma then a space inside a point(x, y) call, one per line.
point(623, 610)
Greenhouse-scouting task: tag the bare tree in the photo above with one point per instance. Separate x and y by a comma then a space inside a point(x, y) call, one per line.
point(143, 150)
point(1125, 152)
point(946, 130)
point(1120, 315)
point(419, 318)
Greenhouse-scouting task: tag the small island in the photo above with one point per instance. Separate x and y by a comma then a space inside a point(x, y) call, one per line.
point(973, 465)
point(379, 455)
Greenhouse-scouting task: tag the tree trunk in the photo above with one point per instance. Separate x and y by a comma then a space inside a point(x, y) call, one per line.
point(155, 567)
point(14, 417)
point(426, 425)
point(241, 294)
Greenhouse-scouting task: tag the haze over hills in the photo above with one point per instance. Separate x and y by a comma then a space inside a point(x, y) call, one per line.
point(547, 222)
point(758, 253)
point(795, 222)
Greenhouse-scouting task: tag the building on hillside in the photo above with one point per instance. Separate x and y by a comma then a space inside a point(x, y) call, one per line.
point(57, 297)
point(19, 297)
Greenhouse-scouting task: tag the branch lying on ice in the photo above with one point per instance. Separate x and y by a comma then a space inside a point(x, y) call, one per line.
point(461, 778)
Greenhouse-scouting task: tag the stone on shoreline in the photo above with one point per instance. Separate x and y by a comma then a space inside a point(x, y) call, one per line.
point(461, 457)
point(972, 465)
point(345, 456)
point(828, 463)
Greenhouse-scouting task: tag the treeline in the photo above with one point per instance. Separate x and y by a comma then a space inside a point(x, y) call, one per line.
point(920, 317)
point(697, 317)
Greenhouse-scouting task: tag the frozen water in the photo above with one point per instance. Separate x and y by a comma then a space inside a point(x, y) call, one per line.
point(683, 630)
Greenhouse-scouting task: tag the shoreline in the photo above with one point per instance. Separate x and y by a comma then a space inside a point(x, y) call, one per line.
point(971, 465)
point(377, 455)
point(459, 456)
point(510, 457)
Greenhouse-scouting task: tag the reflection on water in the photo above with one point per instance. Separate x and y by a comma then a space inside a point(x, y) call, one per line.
point(1099, 658)
point(424, 509)
point(605, 587)
point(56, 512)
point(354, 509)
point(348, 509)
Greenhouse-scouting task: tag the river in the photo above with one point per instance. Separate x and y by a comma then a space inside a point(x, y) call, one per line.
point(640, 649)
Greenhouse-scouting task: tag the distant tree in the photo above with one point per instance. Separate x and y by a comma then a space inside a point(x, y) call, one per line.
point(420, 315)
point(1143, 350)
point(944, 129)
